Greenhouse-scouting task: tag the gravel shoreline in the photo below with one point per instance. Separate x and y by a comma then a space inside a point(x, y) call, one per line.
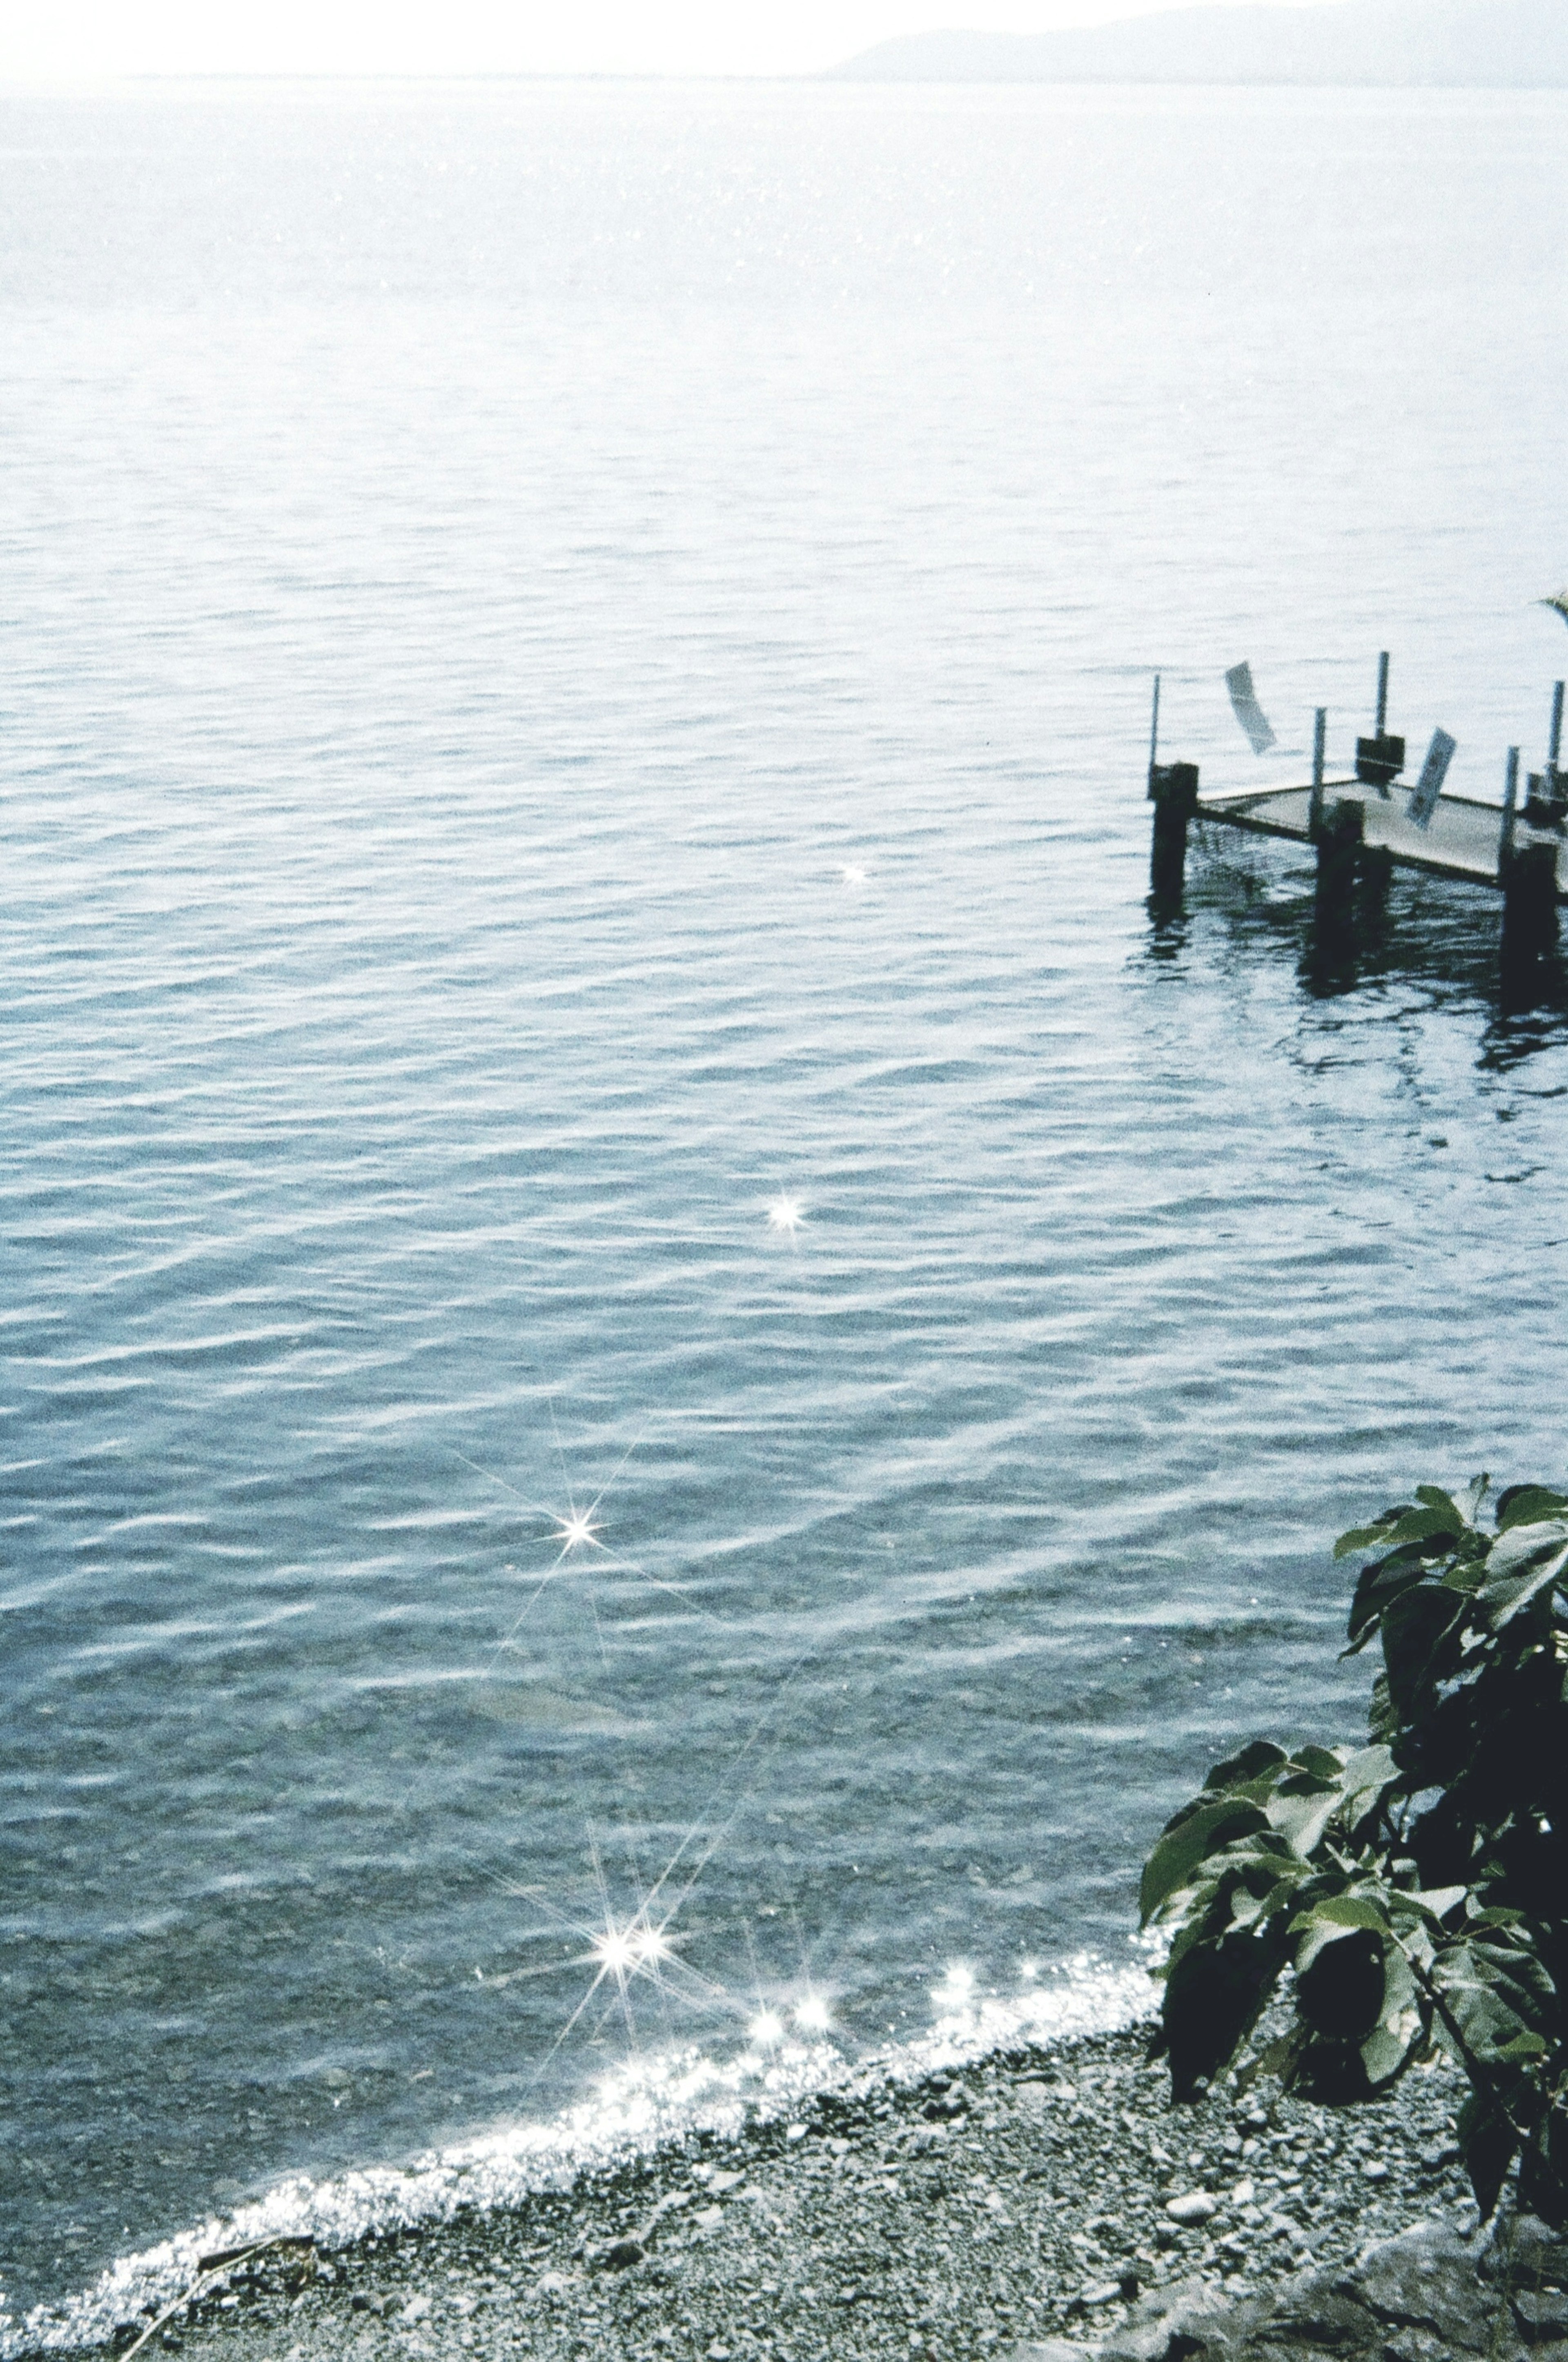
point(1027, 2196)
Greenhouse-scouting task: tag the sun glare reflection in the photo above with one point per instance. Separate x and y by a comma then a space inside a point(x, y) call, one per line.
point(576, 1529)
point(786, 1214)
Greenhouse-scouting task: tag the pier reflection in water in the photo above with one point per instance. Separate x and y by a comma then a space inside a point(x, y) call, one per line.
point(1438, 937)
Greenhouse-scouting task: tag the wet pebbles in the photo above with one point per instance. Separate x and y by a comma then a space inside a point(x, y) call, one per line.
point(1034, 2195)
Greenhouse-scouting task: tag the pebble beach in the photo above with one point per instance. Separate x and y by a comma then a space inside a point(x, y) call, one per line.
point(1033, 2195)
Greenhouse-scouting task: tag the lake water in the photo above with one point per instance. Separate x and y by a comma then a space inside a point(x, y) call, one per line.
point(576, 677)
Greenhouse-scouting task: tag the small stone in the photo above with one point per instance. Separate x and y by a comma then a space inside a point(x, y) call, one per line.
point(1542, 2314)
point(717, 2353)
point(708, 2218)
point(1375, 2170)
point(1194, 2206)
point(1244, 2193)
point(794, 2132)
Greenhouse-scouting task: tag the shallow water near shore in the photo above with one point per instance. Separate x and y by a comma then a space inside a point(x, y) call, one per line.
point(667, 1372)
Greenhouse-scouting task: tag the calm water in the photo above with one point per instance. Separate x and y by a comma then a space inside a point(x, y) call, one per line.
point(576, 666)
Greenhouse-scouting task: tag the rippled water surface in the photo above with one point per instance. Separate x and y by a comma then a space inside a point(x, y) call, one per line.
point(575, 678)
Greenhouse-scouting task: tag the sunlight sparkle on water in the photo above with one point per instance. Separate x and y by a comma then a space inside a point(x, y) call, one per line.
point(767, 2026)
point(578, 1528)
point(628, 1948)
point(786, 1214)
point(813, 2015)
point(616, 1949)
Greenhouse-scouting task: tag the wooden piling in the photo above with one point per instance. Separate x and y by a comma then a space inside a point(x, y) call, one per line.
point(1551, 762)
point(1383, 692)
point(1529, 876)
point(1377, 873)
point(1339, 841)
point(1173, 791)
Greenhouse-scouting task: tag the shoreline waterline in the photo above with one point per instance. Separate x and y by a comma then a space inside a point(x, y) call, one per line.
point(639, 2108)
point(941, 2204)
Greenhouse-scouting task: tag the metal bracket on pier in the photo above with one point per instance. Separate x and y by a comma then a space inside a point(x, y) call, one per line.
point(1320, 743)
point(1546, 801)
point(1380, 759)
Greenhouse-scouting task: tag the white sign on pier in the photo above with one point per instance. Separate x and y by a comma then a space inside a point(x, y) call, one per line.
point(1434, 771)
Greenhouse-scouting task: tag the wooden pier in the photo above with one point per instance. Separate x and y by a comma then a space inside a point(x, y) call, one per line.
point(1365, 826)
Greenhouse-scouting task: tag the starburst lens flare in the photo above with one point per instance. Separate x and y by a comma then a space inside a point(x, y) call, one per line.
point(786, 1214)
point(766, 2027)
point(812, 2017)
point(616, 1950)
point(572, 1532)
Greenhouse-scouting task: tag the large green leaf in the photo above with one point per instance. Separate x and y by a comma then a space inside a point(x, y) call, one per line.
point(1302, 1815)
point(1414, 1631)
point(1379, 1586)
point(1182, 1849)
point(1528, 1503)
point(1371, 1537)
point(1256, 1759)
point(1524, 1563)
point(1436, 1520)
point(1214, 1998)
point(1524, 1543)
point(1326, 1922)
point(1323, 1762)
point(1366, 1776)
point(1495, 1988)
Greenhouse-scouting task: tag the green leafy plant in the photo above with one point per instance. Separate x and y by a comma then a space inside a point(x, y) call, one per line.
point(1411, 1894)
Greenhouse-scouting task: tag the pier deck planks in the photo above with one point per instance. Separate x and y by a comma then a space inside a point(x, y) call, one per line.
point(1461, 842)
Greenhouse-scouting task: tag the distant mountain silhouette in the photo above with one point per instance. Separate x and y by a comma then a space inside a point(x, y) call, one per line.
point(1467, 44)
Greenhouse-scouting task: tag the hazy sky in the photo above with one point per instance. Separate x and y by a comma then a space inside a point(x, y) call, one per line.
point(96, 37)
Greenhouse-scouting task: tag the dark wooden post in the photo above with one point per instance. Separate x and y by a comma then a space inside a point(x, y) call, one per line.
point(1339, 858)
point(1173, 791)
point(1530, 901)
point(1376, 873)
